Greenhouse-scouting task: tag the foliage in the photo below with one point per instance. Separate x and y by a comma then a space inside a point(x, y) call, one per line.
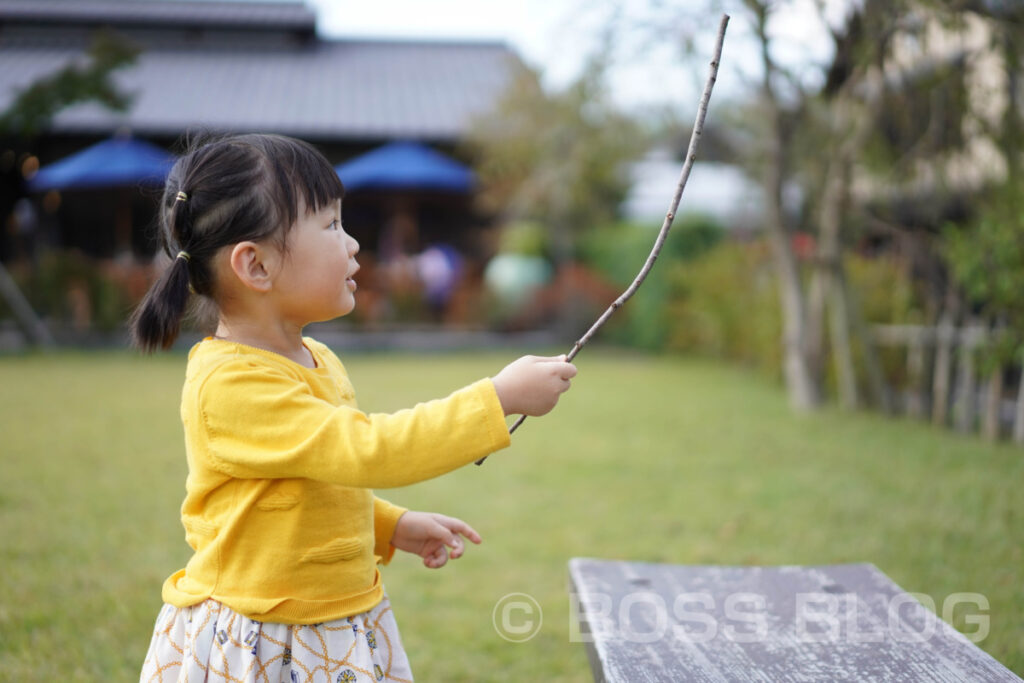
point(987, 259)
point(88, 80)
point(527, 238)
point(986, 252)
point(647, 459)
point(901, 118)
point(618, 251)
point(725, 304)
point(555, 158)
point(71, 288)
point(936, 109)
point(884, 290)
point(920, 120)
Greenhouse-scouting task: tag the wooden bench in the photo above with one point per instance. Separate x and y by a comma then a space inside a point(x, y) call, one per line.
point(660, 622)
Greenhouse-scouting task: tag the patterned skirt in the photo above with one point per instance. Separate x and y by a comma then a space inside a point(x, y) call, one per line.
point(211, 642)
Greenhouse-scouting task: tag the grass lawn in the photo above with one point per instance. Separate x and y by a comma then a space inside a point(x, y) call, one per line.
point(651, 459)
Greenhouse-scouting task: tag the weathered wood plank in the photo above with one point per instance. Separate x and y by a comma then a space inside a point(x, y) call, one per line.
point(993, 405)
point(655, 622)
point(973, 336)
point(915, 379)
point(966, 394)
point(943, 368)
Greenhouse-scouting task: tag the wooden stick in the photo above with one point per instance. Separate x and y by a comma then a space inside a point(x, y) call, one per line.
point(691, 156)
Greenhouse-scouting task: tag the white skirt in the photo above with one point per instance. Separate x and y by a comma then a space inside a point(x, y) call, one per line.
point(211, 642)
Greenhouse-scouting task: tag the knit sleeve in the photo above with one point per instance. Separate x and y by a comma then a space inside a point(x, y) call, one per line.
point(385, 519)
point(260, 422)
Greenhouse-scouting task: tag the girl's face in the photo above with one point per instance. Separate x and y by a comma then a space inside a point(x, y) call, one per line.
point(315, 278)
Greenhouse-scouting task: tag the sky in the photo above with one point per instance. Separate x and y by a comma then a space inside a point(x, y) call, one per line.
point(649, 70)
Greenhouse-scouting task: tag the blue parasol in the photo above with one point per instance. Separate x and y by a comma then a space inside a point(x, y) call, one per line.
point(405, 166)
point(113, 162)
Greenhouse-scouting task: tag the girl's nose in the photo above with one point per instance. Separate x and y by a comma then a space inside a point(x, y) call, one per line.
point(353, 246)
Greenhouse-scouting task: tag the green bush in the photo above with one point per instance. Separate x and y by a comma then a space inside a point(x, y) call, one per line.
point(68, 284)
point(883, 290)
point(619, 251)
point(528, 238)
point(885, 295)
point(725, 304)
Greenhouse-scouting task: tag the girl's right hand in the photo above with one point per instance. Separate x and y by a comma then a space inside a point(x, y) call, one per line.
point(531, 385)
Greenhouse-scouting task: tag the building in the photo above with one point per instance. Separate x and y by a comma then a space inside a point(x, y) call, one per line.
point(240, 67)
point(721, 191)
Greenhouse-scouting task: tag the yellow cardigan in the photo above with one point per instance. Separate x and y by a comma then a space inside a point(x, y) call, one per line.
point(279, 508)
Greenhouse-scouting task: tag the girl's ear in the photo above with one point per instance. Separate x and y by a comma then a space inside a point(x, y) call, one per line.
point(249, 262)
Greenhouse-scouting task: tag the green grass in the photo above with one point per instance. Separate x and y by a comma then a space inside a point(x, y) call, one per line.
point(652, 459)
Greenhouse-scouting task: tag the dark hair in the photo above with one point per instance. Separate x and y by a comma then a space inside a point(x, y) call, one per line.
point(221, 192)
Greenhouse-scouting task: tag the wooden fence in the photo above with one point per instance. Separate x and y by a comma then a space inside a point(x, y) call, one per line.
point(942, 377)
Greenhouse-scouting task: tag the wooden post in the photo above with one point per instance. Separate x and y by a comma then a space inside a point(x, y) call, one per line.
point(943, 366)
point(915, 376)
point(993, 405)
point(918, 339)
point(879, 389)
point(839, 331)
point(964, 409)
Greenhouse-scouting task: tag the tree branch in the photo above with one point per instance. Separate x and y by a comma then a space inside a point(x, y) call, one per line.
point(691, 156)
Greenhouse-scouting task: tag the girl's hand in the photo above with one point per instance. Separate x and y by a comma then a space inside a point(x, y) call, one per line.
point(531, 385)
point(429, 535)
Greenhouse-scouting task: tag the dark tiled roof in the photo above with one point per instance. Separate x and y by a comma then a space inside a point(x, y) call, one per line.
point(328, 90)
point(319, 89)
point(284, 15)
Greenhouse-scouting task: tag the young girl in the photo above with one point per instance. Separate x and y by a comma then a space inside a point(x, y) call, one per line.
point(279, 510)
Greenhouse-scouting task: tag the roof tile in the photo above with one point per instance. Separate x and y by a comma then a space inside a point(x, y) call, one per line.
point(327, 89)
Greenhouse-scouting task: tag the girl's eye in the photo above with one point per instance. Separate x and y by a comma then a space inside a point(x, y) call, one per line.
point(335, 224)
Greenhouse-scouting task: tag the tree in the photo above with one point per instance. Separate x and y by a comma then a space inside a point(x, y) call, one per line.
point(556, 158)
point(986, 251)
point(35, 106)
point(987, 259)
point(30, 112)
point(804, 389)
point(843, 117)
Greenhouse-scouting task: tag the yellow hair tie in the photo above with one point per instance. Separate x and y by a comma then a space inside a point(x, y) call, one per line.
point(184, 254)
point(181, 197)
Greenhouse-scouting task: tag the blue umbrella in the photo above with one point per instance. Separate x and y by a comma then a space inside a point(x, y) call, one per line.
point(113, 162)
point(405, 166)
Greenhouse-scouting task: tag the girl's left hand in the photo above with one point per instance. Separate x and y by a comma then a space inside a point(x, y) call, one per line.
point(430, 535)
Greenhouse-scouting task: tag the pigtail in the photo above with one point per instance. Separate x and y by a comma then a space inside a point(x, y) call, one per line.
point(157, 320)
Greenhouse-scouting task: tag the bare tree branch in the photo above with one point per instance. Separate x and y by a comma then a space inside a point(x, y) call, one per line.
point(691, 156)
